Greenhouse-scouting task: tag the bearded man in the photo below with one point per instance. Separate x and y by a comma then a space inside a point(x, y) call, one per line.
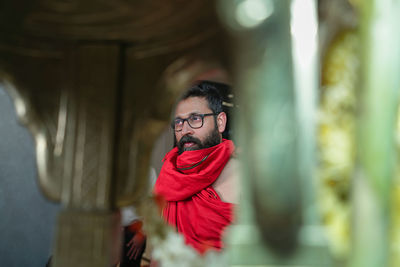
point(198, 179)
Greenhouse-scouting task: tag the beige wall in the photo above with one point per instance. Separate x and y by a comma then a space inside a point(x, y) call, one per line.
point(162, 146)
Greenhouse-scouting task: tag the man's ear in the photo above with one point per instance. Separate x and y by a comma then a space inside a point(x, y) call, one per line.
point(221, 122)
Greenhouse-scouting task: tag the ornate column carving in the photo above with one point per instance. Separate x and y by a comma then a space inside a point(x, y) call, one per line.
point(94, 82)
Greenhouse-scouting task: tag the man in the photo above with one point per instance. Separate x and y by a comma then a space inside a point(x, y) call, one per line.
point(134, 235)
point(134, 243)
point(198, 179)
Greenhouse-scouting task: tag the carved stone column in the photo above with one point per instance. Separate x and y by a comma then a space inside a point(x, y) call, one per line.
point(94, 81)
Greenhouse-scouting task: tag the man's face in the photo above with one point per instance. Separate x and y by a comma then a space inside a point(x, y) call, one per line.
point(208, 135)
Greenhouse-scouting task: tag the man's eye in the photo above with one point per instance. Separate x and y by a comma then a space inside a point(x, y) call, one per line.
point(178, 122)
point(195, 118)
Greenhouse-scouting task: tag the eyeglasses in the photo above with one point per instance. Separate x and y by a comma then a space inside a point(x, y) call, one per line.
point(195, 121)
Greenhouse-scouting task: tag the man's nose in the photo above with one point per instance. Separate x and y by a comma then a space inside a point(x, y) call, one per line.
point(186, 129)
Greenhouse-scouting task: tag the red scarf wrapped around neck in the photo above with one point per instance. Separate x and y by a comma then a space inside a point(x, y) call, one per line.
point(192, 204)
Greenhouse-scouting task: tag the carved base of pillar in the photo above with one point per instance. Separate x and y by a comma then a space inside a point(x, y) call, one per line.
point(97, 234)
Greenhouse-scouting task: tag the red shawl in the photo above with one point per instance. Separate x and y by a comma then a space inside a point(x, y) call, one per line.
point(193, 206)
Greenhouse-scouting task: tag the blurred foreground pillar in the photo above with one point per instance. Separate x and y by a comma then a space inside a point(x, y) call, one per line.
point(376, 147)
point(276, 74)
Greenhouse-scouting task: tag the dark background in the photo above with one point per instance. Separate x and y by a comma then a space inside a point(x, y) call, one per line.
point(27, 219)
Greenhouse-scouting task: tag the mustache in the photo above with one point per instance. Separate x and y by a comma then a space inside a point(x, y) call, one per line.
point(188, 139)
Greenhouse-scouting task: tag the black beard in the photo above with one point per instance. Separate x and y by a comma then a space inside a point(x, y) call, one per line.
point(212, 139)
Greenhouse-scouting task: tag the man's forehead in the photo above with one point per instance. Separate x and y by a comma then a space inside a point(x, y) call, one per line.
point(192, 105)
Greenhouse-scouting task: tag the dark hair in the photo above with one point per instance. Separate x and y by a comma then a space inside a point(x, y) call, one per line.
point(210, 91)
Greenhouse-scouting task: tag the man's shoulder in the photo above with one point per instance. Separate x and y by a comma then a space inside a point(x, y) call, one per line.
point(231, 169)
point(227, 184)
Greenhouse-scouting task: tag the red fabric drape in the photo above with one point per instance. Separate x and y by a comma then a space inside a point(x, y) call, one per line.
point(193, 206)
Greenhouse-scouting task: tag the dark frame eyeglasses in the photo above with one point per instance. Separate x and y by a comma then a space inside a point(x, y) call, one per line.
point(195, 121)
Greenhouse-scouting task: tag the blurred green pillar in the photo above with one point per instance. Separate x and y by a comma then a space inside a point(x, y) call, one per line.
point(276, 80)
point(378, 109)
